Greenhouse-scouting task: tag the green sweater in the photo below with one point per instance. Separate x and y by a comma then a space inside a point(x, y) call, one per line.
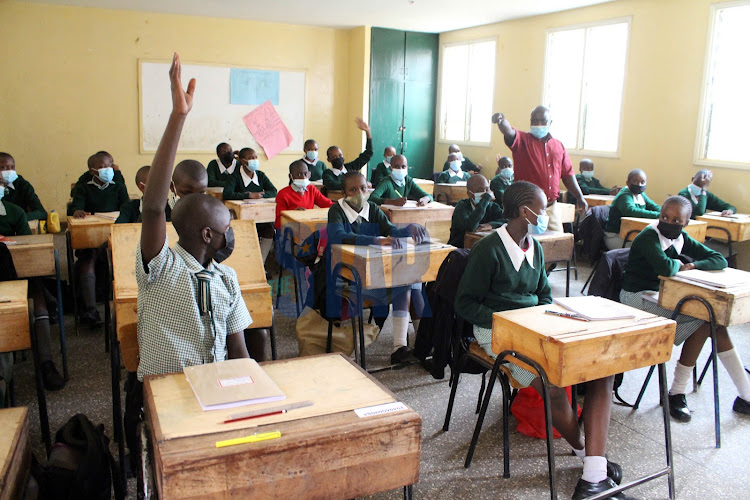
point(130, 213)
point(647, 261)
point(332, 182)
point(498, 185)
point(446, 178)
point(316, 169)
point(86, 176)
point(592, 186)
point(14, 222)
point(624, 206)
point(235, 188)
point(215, 177)
point(22, 194)
point(490, 283)
point(467, 216)
point(388, 190)
point(706, 201)
point(90, 198)
point(340, 230)
point(380, 173)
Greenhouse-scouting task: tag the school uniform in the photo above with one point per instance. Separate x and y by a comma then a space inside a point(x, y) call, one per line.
point(705, 201)
point(626, 204)
point(131, 212)
point(451, 177)
point(86, 177)
point(240, 183)
point(13, 221)
point(218, 174)
point(20, 192)
point(390, 189)
point(466, 165)
point(588, 186)
point(290, 198)
point(382, 170)
point(467, 216)
point(498, 185)
point(316, 168)
point(332, 176)
point(92, 197)
point(501, 276)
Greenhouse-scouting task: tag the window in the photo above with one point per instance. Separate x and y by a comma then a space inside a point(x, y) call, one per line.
point(467, 84)
point(584, 77)
point(726, 101)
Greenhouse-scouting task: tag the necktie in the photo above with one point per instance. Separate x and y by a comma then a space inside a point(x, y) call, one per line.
point(204, 291)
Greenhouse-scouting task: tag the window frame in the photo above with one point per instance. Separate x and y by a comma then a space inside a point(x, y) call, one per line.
point(700, 139)
point(440, 131)
point(581, 126)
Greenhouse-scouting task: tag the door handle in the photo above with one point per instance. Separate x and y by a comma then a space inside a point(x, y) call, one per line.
point(401, 128)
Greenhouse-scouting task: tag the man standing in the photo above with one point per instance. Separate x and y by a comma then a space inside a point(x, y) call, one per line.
point(541, 159)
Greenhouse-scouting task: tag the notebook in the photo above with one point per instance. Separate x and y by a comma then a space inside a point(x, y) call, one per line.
point(595, 308)
point(408, 204)
point(231, 383)
point(725, 278)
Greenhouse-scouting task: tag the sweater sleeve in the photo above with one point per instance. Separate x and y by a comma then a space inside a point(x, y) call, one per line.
point(362, 159)
point(465, 218)
point(706, 259)
point(230, 189)
point(543, 289)
point(443, 178)
point(269, 190)
point(34, 207)
point(340, 231)
point(128, 213)
point(414, 189)
point(628, 208)
point(320, 200)
point(475, 285)
point(214, 176)
point(79, 198)
point(713, 202)
point(647, 243)
point(651, 205)
point(381, 192)
point(331, 181)
point(494, 215)
point(122, 195)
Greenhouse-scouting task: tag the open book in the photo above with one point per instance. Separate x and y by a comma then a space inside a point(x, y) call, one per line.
point(595, 308)
point(725, 278)
point(107, 215)
point(227, 384)
point(408, 204)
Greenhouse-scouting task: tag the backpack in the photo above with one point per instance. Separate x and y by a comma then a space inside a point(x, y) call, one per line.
point(80, 464)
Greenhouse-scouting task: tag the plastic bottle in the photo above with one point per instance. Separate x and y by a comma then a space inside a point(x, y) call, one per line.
point(53, 222)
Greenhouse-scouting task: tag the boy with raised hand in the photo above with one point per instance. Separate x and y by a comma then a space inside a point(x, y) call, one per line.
point(503, 178)
point(701, 199)
point(588, 183)
point(315, 166)
point(466, 164)
point(220, 169)
point(454, 174)
point(399, 186)
point(478, 212)
point(19, 191)
point(332, 176)
point(383, 169)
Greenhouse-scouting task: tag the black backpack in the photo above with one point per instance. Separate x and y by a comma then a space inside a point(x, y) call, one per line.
point(80, 464)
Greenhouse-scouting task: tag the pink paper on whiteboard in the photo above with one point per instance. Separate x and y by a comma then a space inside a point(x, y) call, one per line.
point(266, 126)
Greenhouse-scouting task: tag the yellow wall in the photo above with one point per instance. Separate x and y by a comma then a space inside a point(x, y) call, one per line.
point(69, 83)
point(663, 86)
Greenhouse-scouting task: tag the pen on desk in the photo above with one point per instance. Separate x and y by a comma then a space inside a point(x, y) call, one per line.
point(279, 412)
point(254, 438)
point(276, 410)
point(566, 315)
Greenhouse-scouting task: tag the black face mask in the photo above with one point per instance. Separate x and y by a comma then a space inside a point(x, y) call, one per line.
point(669, 230)
point(227, 158)
point(338, 163)
point(224, 253)
point(637, 189)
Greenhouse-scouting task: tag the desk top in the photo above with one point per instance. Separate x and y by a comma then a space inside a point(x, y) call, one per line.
point(544, 238)
point(459, 184)
point(103, 219)
point(259, 201)
point(33, 255)
point(216, 192)
point(738, 227)
point(433, 205)
point(31, 241)
point(696, 229)
point(14, 448)
point(598, 199)
point(14, 291)
point(305, 216)
point(423, 182)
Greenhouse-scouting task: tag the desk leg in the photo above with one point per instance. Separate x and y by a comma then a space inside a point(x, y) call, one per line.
point(41, 395)
point(114, 357)
point(567, 278)
point(667, 427)
point(274, 356)
point(61, 318)
point(408, 492)
point(729, 238)
point(72, 280)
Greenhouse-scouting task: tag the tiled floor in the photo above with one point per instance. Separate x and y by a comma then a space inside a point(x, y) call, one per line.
point(635, 440)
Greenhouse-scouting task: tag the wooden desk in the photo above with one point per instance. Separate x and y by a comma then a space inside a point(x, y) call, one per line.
point(433, 211)
point(696, 229)
point(14, 316)
point(567, 212)
point(721, 227)
point(731, 305)
point(386, 268)
point(15, 452)
point(596, 200)
point(426, 185)
point(317, 184)
point(34, 255)
point(91, 232)
point(450, 193)
point(216, 192)
point(304, 222)
point(262, 210)
point(325, 450)
point(557, 246)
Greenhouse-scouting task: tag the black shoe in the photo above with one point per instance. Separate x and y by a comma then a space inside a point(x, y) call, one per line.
point(741, 406)
point(53, 381)
point(678, 408)
point(90, 317)
point(551, 268)
point(403, 354)
point(614, 472)
point(584, 489)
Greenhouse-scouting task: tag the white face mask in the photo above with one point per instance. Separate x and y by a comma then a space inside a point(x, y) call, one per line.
point(301, 183)
point(455, 165)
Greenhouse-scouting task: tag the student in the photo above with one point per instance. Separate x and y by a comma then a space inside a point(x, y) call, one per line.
point(220, 169)
point(631, 201)
point(664, 249)
point(399, 186)
point(19, 191)
point(454, 173)
point(118, 178)
point(299, 194)
point(315, 166)
point(354, 220)
point(588, 183)
point(466, 164)
point(503, 178)
point(383, 169)
point(99, 194)
point(478, 212)
point(130, 212)
point(332, 176)
point(505, 271)
point(700, 198)
point(13, 222)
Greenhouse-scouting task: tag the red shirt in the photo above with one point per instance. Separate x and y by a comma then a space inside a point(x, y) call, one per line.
point(289, 199)
point(540, 161)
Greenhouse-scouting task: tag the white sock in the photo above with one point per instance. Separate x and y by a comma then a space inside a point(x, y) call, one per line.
point(594, 469)
point(732, 362)
point(681, 376)
point(580, 453)
point(400, 329)
point(415, 322)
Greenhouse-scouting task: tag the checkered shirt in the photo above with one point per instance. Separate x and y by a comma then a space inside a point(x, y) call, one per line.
point(172, 333)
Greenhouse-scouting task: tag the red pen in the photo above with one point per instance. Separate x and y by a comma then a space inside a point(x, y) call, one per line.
point(254, 416)
point(267, 412)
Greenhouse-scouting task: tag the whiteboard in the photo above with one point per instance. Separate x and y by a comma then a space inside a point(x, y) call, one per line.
point(213, 119)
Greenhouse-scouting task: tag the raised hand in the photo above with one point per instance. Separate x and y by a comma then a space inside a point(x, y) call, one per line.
point(362, 125)
point(182, 101)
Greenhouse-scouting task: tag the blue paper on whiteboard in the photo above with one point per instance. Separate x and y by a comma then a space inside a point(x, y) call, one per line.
point(251, 86)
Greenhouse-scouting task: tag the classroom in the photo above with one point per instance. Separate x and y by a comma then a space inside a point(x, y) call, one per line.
point(636, 113)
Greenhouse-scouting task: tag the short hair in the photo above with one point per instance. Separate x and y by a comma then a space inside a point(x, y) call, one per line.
point(142, 174)
point(517, 195)
point(328, 151)
point(703, 171)
point(683, 202)
point(189, 169)
point(218, 146)
point(245, 151)
point(634, 172)
point(351, 174)
point(6, 156)
point(105, 153)
point(309, 142)
point(99, 155)
point(296, 162)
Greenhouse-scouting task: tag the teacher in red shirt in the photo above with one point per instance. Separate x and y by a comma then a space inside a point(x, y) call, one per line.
point(541, 159)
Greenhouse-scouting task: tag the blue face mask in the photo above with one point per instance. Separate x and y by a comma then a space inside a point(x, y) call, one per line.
point(506, 173)
point(388, 159)
point(455, 165)
point(9, 176)
point(587, 174)
point(398, 174)
point(253, 165)
point(539, 131)
point(106, 174)
point(541, 223)
point(301, 183)
point(694, 190)
point(2, 192)
point(312, 155)
point(478, 197)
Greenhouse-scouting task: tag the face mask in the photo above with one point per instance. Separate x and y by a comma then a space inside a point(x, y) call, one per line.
point(455, 165)
point(312, 155)
point(223, 254)
point(398, 174)
point(2, 192)
point(9, 176)
point(507, 174)
point(539, 131)
point(669, 230)
point(338, 163)
point(694, 190)
point(637, 189)
point(587, 174)
point(460, 156)
point(541, 223)
point(253, 165)
point(106, 174)
point(301, 183)
point(478, 197)
point(358, 200)
point(227, 158)
point(388, 159)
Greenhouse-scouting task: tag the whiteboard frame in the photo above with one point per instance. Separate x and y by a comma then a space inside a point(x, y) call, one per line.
point(142, 150)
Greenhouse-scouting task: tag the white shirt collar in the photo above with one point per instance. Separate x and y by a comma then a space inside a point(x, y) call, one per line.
point(638, 199)
point(665, 243)
point(351, 214)
point(300, 190)
point(458, 173)
point(387, 164)
point(3, 212)
point(11, 186)
point(515, 253)
point(100, 186)
point(223, 169)
point(247, 180)
point(337, 172)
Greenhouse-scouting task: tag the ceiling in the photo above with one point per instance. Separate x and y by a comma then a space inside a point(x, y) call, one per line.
point(434, 16)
